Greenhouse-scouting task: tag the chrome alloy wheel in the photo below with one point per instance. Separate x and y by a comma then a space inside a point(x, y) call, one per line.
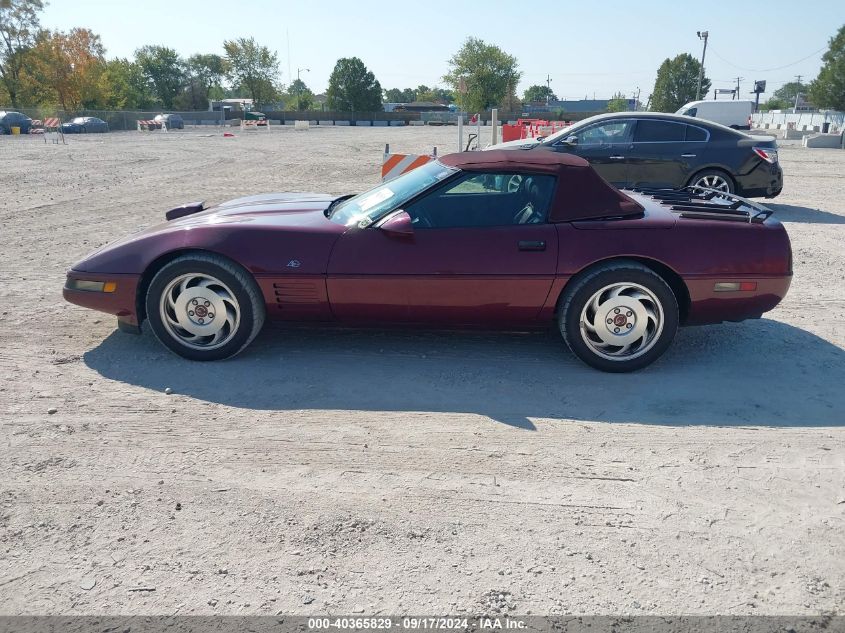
point(714, 181)
point(199, 311)
point(621, 321)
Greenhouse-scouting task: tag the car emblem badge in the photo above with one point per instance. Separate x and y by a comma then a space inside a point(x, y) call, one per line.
point(294, 263)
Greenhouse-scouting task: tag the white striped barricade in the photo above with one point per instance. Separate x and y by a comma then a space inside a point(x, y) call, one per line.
point(394, 165)
point(52, 127)
point(255, 124)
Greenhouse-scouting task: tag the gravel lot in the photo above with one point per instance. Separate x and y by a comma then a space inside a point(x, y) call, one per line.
point(400, 472)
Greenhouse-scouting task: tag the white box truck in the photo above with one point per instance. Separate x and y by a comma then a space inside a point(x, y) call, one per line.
point(735, 113)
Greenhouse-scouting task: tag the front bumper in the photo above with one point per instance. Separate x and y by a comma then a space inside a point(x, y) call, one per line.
point(81, 289)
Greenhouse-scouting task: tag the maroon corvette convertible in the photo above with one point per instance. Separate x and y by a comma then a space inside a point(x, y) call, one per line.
point(498, 239)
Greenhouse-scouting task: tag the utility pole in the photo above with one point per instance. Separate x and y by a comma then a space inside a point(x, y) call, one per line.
point(287, 35)
point(702, 35)
point(738, 79)
point(549, 91)
point(797, 92)
point(299, 86)
point(637, 99)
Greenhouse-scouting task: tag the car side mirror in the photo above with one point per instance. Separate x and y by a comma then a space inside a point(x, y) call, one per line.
point(572, 141)
point(398, 224)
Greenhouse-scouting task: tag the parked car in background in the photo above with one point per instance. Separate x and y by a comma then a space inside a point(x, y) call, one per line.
point(85, 124)
point(8, 120)
point(733, 114)
point(502, 239)
point(172, 121)
point(648, 149)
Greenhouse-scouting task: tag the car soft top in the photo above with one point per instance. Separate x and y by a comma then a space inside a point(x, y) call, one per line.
point(581, 193)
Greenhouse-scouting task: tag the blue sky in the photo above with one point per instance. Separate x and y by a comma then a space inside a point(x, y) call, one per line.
point(588, 48)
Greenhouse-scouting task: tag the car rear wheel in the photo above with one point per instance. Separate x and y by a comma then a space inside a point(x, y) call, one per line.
point(618, 317)
point(713, 179)
point(204, 307)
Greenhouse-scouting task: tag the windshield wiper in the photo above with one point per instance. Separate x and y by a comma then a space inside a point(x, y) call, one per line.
point(328, 212)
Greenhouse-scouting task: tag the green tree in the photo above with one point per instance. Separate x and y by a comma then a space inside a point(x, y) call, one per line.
point(424, 93)
point(66, 69)
point(299, 96)
point(204, 76)
point(618, 103)
point(128, 86)
point(19, 27)
point(443, 94)
point(677, 83)
point(254, 69)
point(790, 90)
point(395, 95)
point(828, 89)
point(164, 71)
point(784, 97)
point(488, 74)
point(778, 104)
point(539, 93)
point(353, 87)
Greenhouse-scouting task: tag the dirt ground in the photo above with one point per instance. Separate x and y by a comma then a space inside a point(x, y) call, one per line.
point(400, 472)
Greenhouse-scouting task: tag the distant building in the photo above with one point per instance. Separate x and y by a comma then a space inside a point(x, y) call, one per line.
point(234, 105)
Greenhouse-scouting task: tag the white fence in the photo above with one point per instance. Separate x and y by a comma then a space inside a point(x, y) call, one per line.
point(808, 122)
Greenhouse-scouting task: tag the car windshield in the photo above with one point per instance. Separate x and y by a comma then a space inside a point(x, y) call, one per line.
point(78, 119)
point(367, 207)
point(571, 129)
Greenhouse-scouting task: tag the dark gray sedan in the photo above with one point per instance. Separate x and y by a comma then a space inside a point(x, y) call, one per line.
point(651, 149)
point(85, 124)
point(8, 120)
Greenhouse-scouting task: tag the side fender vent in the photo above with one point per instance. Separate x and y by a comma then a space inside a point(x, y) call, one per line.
point(296, 292)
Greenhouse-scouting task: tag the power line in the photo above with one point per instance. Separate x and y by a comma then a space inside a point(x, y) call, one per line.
point(766, 70)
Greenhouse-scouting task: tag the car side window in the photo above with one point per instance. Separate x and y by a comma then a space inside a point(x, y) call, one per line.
point(655, 131)
point(488, 199)
point(696, 134)
point(691, 112)
point(616, 131)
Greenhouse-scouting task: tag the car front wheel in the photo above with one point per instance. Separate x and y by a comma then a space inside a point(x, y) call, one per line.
point(204, 307)
point(618, 317)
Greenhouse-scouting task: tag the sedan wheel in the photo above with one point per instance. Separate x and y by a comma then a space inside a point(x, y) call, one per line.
point(204, 307)
point(618, 317)
point(713, 180)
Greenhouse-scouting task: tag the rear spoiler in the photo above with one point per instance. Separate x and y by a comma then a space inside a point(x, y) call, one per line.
point(708, 204)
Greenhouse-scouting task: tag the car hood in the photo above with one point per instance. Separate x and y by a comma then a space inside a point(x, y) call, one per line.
point(277, 209)
point(243, 229)
point(522, 142)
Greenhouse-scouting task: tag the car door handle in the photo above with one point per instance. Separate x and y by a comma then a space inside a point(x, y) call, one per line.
point(529, 245)
point(687, 155)
point(616, 157)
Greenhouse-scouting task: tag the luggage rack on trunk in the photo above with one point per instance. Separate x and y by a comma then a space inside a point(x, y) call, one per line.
point(708, 204)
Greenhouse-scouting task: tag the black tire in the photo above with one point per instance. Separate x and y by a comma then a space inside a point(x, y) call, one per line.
point(714, 173)
point(582, 289)
point(239, 285)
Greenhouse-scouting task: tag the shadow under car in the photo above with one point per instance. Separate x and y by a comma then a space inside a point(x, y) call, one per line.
point(758, 373)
